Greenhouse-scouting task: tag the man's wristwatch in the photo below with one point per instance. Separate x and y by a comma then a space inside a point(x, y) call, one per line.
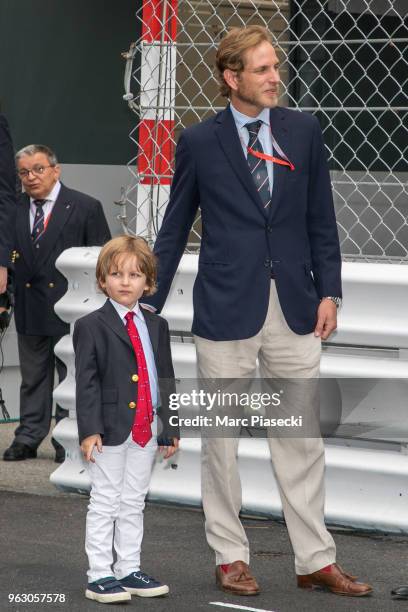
point(336, 300)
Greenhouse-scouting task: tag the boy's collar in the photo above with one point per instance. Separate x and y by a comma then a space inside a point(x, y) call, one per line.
point(123, 310)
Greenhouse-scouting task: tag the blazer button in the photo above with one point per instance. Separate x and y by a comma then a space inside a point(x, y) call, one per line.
point(51, 285)
point(28, 285)
point(132, 405)
point(135, 378)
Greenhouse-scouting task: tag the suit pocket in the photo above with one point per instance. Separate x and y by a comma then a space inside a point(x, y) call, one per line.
point(213, 263)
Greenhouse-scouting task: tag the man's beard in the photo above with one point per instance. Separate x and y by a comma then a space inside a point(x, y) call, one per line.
point(254, 101)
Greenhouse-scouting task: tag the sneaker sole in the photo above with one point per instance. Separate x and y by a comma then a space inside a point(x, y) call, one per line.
point(156, 592)
point(113, 598)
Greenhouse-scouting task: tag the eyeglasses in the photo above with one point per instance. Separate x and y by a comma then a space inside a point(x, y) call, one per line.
point(36, 170)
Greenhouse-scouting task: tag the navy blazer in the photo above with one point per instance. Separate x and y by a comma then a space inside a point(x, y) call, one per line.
point(7, 193)
point(240, 241)
point(105, 366)
point(76, 220)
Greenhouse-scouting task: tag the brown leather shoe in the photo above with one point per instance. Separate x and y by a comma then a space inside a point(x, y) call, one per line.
point(237, 579)
point(346, 574)
point(335, 581)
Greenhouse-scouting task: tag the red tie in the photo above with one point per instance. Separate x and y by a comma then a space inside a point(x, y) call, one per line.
point(141, 430)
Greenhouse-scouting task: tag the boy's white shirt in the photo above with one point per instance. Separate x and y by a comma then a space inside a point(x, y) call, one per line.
point(146, 343)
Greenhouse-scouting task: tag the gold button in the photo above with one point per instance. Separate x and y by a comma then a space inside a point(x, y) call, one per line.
point(51, 285)
point(135, 378)
point(132, 405)
point(16, 255)
point(28, 285)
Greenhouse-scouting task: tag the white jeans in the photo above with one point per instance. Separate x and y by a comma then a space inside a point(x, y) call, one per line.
point(120, 480)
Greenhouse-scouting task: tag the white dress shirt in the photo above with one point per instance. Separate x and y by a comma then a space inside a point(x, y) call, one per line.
point(264, 135)
point(147, 345)
point(47, 207)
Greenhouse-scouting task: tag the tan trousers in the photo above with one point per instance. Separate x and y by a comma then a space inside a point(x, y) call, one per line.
point(298, 462)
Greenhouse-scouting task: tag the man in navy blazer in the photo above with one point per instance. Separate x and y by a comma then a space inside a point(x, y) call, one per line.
point(267, 288)
point(7, 208)
point(50, 218)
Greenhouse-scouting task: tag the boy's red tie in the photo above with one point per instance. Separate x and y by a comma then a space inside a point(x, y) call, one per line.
point(141, 430)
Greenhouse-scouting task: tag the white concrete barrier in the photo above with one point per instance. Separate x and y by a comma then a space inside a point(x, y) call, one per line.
point(367, 466)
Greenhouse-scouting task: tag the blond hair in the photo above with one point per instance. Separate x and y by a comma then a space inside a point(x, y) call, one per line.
point(232, 48)
point(113, 250)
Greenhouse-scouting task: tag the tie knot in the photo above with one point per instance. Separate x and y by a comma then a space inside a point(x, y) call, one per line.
point(39, 202)
point(254, 127)
point(129, 316)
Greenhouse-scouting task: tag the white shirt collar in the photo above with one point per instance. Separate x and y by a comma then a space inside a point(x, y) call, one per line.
point(52, 196)
point(241, 119)
point(123, 310)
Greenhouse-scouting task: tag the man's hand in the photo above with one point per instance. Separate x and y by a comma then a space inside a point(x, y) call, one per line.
point(3, 279)
point(88, 444)
point(326, 319)
point(169, 450)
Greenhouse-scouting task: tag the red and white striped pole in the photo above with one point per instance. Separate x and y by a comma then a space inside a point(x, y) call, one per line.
point(157, 99)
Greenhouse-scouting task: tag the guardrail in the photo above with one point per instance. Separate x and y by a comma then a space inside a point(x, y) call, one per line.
point(365, 367)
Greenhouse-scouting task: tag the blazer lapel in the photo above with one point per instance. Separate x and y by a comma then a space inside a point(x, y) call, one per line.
point(152, 324)
point(60, 213)
point(111, 318)
point(25, 242)
point(281, 133)
point(227, 134)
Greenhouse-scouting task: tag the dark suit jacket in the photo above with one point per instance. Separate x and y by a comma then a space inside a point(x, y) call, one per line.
point(105, 362)
point(7, 193)
point(76, 220)
point(298, 236)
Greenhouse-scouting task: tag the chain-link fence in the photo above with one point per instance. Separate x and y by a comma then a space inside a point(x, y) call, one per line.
point(345, 61)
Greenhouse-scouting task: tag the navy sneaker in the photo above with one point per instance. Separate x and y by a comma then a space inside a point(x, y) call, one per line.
point(138, 583)
point(107, 590)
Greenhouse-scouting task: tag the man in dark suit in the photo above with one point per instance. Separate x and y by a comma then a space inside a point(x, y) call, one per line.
point(50, 219)
point(7, 208)
point(268, 285)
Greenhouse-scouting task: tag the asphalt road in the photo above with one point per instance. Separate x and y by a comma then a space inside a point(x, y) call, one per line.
point(41, 544)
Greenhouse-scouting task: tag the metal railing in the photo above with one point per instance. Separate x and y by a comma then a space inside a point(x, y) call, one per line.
point(344, 60)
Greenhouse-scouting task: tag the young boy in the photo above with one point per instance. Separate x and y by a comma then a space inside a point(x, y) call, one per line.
point(121, 353)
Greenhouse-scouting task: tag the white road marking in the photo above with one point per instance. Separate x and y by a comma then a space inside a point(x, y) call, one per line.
point(235, 607)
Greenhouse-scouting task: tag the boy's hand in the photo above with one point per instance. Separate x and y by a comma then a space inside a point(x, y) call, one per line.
point(169, 450)
point(88, 444)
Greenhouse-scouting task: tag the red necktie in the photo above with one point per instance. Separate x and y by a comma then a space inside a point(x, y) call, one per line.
point(141, 430)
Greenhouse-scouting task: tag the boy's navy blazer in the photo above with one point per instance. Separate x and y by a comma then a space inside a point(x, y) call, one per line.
point(240, 240)
point(105, 364)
